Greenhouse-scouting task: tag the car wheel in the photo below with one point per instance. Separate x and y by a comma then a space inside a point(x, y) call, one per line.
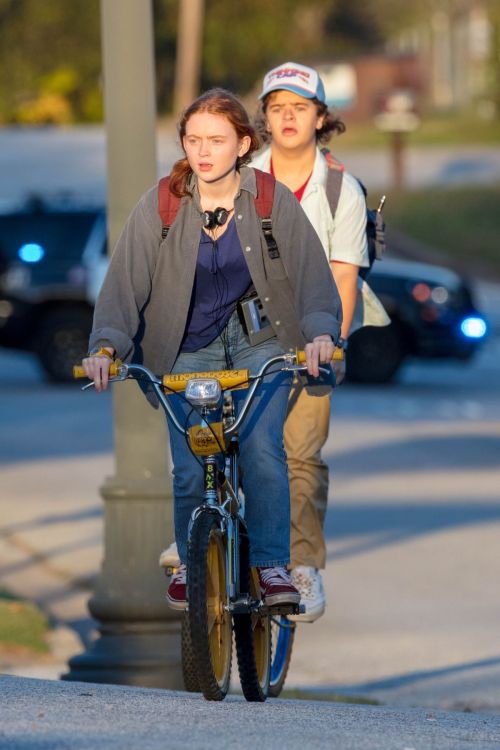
point(62, 341)
point(375, 353)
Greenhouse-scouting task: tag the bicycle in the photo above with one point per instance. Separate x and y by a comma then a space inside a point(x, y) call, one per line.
point(223, 592)
point(282, 639)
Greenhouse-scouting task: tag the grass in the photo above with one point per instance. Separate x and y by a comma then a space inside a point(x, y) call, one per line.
point(462, 222)
point(23, 627)
point(451, 129)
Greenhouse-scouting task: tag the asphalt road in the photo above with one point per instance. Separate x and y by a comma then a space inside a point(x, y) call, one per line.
point(39, 715)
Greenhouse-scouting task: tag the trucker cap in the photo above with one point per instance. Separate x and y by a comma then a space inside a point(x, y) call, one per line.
point(294, 77)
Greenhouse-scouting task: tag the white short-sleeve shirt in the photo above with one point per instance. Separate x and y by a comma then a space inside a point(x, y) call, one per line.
point(343, 236)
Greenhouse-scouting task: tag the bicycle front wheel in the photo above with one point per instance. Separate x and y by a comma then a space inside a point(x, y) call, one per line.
point(283, 633)
point(209, 619)
point(188, 660)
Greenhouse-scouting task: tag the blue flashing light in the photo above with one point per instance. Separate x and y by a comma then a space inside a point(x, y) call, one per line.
point(473, 327)
point(31, 252)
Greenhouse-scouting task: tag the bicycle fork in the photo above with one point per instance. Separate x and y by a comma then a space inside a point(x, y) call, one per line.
point(220, 498)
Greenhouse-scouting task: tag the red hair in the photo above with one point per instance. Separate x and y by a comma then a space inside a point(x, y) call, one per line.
point(216, 102)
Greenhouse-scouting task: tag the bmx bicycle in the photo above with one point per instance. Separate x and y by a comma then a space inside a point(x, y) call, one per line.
point(223, 591)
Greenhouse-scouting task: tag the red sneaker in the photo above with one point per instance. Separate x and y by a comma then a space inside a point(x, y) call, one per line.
point(176, 594)
point(276, 587)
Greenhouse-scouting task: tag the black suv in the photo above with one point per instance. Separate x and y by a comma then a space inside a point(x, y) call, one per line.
point(52, 261)
point(433, 315)
point(46, 261)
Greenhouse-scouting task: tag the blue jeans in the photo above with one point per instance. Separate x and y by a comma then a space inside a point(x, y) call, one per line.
point(263, 467)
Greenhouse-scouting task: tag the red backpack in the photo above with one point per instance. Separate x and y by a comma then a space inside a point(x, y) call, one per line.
point(168, 207)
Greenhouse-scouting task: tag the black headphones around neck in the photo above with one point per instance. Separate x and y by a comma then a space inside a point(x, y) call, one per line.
point(215, 218)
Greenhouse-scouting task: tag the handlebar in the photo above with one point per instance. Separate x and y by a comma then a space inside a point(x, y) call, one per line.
point(229, 379)
point(338, 355)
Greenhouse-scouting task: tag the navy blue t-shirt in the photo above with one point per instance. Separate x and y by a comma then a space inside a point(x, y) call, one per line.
point(221, 279)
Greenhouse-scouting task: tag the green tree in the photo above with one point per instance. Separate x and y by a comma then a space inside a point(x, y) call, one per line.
point(50, 55)
point(50, 61)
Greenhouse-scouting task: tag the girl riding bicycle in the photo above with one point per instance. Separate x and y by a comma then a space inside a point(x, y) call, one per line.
point(172, 303)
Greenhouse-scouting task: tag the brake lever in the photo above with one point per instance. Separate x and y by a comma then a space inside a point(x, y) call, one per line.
point(110, 380)
point(303, 368)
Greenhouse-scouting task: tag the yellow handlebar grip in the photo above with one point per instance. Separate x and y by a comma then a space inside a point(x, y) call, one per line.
point(338, 355)
point(79, 372)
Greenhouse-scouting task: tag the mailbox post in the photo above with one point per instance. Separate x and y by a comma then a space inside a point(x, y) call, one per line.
point(397, 119)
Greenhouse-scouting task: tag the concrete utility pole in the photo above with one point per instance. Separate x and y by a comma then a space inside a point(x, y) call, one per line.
point(188, 58)
point(139, 641)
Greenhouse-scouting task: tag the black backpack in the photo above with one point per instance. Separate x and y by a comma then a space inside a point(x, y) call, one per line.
point(375, 225)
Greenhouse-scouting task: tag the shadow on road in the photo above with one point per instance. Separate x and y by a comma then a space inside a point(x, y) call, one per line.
point(392, 524)
point(413, 677)
point(421, 454)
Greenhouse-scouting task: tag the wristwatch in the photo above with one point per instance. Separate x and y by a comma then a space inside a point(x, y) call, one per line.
point(100, 351)
point(342, 343)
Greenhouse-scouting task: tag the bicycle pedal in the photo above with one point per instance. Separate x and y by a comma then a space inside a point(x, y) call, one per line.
point(242, 606)
point(282, 609)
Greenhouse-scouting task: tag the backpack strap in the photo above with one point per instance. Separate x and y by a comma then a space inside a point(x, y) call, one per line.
point(265, 193)
point(333, 179)
point(375, 226)
point(264, 205)
point(168, 205)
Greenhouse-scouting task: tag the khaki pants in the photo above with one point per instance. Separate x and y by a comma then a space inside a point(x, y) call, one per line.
point(306, 431)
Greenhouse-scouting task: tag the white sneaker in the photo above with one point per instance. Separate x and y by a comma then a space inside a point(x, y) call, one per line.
point(169, 558)
point(312, 595)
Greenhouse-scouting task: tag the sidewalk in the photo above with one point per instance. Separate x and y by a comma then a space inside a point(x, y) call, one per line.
point(413, 615)
point(52, 556)
point(412, 532)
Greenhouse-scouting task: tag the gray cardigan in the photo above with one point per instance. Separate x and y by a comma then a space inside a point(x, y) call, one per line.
point(143, 305)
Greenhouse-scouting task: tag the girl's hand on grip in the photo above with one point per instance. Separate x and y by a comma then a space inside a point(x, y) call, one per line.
point(97, 369)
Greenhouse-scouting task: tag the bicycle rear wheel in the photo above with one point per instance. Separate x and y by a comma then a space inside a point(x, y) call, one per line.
point(283, 634)
point(253, 638)
point(209, 620)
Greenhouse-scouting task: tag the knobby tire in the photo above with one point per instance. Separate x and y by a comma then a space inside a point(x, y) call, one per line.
point(209, 622)
point(188, 660)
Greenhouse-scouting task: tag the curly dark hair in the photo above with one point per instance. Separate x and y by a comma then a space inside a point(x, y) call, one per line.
point(332, 124)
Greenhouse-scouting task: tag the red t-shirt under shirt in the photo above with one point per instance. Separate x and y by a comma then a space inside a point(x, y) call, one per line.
point(300, 191)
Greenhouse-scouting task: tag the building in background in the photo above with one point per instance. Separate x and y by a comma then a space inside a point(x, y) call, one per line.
point(446, 62)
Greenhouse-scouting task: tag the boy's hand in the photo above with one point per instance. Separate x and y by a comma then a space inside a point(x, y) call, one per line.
point(320, 351)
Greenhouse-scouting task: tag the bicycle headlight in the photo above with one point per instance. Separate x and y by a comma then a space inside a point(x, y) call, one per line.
point(204, 392)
